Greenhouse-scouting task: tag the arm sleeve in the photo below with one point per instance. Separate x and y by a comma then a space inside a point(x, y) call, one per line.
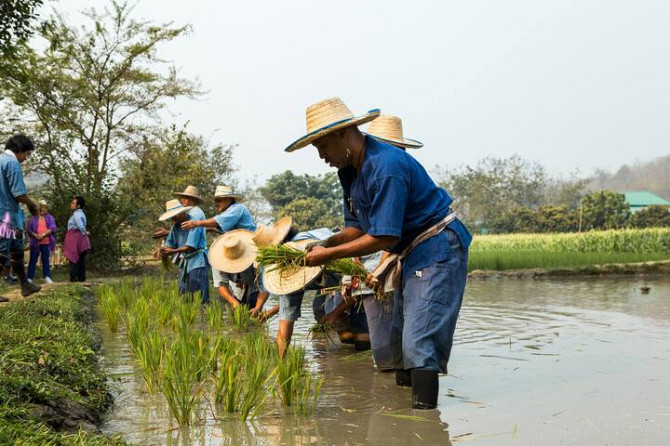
point(171, 240)
point(228, 219)
point(195, 236)
point(388, 206)
point(15, 180)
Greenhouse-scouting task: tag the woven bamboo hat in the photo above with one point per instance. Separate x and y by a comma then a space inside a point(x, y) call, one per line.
point(389, 129)
point(233, 252)
point(328, 116)
point(172, 209)
point(292, 280)
point(191, 192)
point(272, 235)
point(226, 192)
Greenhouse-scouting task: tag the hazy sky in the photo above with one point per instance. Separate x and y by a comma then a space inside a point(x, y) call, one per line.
point(571, 84)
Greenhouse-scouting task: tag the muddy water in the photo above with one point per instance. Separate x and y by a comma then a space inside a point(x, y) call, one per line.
point(584, 361)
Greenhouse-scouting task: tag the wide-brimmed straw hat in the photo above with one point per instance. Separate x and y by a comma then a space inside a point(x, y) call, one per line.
point(233, 252)
point(388, 129)
point(272, 235)
point(328, 116)
point(172, 209)
point(293, 279)
point(190, 192)
point(226, 192)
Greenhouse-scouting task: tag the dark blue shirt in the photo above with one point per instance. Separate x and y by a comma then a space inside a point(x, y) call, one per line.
point(394, 196)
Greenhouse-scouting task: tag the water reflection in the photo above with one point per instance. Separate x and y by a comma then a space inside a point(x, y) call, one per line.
point(565, 360)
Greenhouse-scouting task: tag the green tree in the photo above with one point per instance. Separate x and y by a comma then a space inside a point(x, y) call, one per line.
point(16, 24)
point(168, 160)
point(285, 188)
point(553, 218)
point(656, 216)
point(519, 219)
point(604, 210)
point(93, 95)
point(495, 186)
point(309, 213)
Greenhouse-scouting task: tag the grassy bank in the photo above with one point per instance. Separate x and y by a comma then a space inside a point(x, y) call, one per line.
point(558, 251)
point(52, 388)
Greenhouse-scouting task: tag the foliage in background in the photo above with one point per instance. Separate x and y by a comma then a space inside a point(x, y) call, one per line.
point(312, 200)
point(16, 25)
point(652, 175)
point(89, 99)
point(604, 210)
point(656, 216)
point(168, 160)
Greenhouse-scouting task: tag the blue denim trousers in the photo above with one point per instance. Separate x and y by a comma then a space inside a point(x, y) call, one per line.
point(426, 310)
point(43, 252)
point(196, 280)
point(379, 317)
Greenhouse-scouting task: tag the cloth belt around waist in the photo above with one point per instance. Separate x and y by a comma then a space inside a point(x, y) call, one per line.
point(388, 273)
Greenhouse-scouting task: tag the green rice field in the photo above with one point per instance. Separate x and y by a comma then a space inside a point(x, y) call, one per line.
point(553, 251)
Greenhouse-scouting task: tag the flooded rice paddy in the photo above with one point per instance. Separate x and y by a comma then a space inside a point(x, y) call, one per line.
point(569, 361)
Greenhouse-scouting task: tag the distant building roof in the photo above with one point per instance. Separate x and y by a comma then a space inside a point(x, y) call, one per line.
point(644, 198)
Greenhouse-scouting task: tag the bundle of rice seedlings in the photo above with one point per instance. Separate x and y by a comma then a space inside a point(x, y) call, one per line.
point(347, 267)
point(307, 394)
point(214, 313)
point(242, 317)
point(150, 354)
point(321, 329)
point(280, 257)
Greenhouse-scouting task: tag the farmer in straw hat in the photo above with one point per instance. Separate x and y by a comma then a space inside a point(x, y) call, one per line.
point(190, 246)
point(390, 203)
point(232, 215)
point(379, 312)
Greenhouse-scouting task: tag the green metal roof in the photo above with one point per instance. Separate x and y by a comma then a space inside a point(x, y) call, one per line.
point(644, 198)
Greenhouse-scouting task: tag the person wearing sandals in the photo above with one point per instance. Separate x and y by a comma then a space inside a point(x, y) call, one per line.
point(391, 203)
point(42, 233)
point(77, 243)
point(12, 192)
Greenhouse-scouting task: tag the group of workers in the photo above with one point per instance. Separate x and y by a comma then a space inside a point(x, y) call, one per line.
point(398, 222)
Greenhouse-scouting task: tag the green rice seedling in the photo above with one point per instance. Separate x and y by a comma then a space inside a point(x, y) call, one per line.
point(137, 323)
point(242, 317)
point(214, 314)
point(150, 355)
point(182, 383)
point(289, 370)
point(347, 267)
point(307, 394)
point(256, 345)
point(111, 307)
point(227, 389)
point(257, 373)
point(187, 312)
point(125, 289)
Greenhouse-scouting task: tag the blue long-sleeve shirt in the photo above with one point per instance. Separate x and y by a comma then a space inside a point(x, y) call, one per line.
point(77, 221)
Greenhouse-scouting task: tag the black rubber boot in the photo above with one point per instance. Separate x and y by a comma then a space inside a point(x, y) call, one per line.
point(27, 288)
point(403, 378)
point(425, 385)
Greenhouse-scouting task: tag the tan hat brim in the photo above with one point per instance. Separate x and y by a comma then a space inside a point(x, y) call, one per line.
point(173, 213)
point(290, 281)
point(405, 142)
point(235, 196)
point(281, 229)
point(310, 137)
point(219, 261)
point(181, 194)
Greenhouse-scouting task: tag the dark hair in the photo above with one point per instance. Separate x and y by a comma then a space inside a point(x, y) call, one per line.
point(292, 232)
point(80, 202)
point(19, 143)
